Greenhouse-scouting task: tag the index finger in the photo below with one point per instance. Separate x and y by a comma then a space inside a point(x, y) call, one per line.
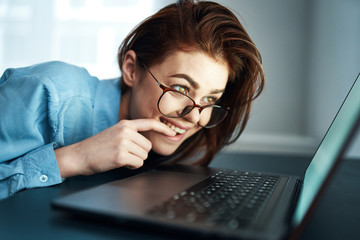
point(143, 125)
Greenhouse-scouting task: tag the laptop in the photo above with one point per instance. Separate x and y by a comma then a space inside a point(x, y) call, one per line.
point(224, 203)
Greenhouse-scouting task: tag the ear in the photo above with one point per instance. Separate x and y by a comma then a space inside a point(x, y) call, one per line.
point(129, 68)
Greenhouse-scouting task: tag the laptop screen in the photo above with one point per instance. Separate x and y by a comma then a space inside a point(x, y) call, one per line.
point(328, 152)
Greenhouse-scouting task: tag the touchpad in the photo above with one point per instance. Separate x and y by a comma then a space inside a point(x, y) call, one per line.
point(159, 182)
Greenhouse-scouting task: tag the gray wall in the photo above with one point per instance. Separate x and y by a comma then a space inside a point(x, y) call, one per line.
point(333, 62)
point(311, 56)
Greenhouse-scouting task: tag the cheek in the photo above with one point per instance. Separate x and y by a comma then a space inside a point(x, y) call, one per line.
point(193, 131)
point(140, 107)
point(143, 103)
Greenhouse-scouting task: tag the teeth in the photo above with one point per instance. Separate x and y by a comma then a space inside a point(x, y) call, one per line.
point(174, 128)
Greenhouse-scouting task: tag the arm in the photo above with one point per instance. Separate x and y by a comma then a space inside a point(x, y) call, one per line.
point(120, 145)
point(27, 156)
point(33, 118)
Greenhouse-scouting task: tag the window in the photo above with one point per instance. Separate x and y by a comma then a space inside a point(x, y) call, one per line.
point(86, 33)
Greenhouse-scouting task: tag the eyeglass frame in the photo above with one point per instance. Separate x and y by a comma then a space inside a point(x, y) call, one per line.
point(195, 105)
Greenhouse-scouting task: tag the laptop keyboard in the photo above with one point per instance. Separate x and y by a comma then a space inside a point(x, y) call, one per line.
point(229, 198)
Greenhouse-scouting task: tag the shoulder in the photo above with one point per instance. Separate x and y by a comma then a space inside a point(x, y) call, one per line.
point(46, 68)
point(56, 74)
point(55, 70)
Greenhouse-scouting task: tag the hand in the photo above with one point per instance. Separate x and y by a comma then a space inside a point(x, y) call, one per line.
point(118, 146)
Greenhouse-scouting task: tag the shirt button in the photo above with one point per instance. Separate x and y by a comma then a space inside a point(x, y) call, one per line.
point(43, 178)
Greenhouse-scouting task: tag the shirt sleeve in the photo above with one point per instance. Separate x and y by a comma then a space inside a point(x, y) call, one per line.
point(28, 107)
point(29, 171)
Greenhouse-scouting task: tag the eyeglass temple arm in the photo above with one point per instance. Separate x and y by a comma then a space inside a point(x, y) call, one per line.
point(147, 69)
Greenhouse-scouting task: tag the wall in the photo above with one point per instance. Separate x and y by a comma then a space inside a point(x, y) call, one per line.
point(280, 30)
point(311, 56)
point(333, 62)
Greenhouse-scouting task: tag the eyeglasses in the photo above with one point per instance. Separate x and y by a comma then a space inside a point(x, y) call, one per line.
point(175, 104)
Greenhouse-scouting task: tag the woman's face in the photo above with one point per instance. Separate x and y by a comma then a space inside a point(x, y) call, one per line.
point(193, 73)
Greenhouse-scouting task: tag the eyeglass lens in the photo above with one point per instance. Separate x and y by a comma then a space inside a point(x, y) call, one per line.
point(174, 104)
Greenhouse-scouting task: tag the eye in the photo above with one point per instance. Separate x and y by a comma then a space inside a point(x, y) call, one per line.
point(209, 100)
point(181, 89)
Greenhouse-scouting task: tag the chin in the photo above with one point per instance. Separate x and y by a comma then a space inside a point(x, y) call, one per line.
point(163, 149)
point(163, 145)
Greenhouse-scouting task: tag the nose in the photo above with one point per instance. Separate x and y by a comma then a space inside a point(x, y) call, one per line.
point(193, 116)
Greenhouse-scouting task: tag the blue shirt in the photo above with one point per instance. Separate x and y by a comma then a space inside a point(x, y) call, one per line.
point(44, 107)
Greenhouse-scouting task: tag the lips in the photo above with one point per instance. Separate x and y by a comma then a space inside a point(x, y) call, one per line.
point(176, 129)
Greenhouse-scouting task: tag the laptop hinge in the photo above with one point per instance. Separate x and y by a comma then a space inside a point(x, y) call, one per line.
point(295, 199)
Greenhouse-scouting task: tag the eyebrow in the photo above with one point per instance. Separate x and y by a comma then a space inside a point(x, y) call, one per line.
point(194, 84)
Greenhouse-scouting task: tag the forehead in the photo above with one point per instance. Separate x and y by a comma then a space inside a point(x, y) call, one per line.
point(208, 72)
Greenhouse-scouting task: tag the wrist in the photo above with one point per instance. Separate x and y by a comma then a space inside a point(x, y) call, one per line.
point(67, 159)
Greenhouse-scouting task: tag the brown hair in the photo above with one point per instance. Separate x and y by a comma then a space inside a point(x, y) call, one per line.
point(214, 30)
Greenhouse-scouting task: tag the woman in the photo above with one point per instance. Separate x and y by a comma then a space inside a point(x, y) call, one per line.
point(189, 76)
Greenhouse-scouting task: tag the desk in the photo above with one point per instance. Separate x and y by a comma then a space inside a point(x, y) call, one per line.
point(28, 215)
